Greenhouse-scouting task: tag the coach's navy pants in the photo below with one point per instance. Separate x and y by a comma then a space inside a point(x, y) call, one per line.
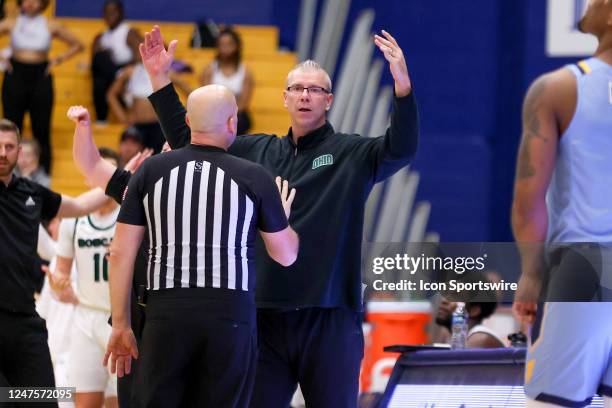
point(319, 348)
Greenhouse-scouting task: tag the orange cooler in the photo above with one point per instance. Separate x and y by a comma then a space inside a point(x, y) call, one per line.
point(390, 323)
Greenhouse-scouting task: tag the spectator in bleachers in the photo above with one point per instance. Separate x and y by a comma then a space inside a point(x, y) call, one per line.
point(128, 99)
point(130, 144)
point(227, 69)
point(28, 83)
point(479, 336)
point(28, 163)
point(132, 86)
point(111, 50)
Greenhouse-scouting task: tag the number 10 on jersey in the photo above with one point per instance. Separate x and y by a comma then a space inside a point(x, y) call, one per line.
point(100, 258)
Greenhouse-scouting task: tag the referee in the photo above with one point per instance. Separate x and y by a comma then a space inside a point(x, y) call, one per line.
point(201, 208)
point(24, 354)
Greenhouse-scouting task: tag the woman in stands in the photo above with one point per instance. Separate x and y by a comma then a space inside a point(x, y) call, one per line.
point(28, 82)
point(127, 98)
point(227, 69)
point(132, 86)
point(111, 50)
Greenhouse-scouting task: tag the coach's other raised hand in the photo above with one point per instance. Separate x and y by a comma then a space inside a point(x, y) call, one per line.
point(156, 58)
point(397, 63)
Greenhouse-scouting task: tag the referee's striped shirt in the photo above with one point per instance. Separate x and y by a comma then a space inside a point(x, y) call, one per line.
point(201, 207)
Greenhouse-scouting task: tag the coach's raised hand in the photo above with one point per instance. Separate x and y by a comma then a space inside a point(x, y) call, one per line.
point(156, 58)
point(397, 63)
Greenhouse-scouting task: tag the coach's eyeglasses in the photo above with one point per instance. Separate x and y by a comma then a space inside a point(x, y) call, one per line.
point(312, 90)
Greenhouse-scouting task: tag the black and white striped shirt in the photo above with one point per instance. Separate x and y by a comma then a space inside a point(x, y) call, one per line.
point(201, 207)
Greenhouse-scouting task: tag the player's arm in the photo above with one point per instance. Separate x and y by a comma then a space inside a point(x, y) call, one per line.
point(62, 270)
point(281, 241)
point(84, 204)
point(535, 164)
point(46, 246)
point(55, 205)
point(62, 206)
point(85, 152)
point(99, 172)
point(60, 281)
point(59, 278)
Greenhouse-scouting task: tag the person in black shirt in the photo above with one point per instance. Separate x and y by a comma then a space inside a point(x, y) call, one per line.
point(24, 353)
point(309, 315)
point(201, 208)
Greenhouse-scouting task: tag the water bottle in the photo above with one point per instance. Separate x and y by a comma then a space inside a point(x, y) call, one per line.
point(459, 328)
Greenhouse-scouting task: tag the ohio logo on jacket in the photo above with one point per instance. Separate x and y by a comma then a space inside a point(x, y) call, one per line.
point(325, 160)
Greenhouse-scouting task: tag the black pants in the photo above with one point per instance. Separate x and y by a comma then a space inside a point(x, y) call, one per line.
point(29, 89)
point(25, 360)
point(321, 349)
point(199, 348)
point(103, 72)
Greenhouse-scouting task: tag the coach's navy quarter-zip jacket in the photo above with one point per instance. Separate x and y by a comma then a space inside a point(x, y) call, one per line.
point(333, 174)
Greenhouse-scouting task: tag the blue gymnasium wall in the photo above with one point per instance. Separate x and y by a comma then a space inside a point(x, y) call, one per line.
point(229, 11)
point(471, 62)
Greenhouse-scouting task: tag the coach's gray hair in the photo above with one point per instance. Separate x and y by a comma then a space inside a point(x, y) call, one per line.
point(310, 66)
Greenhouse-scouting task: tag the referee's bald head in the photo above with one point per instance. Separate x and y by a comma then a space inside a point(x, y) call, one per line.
point(212, 114)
